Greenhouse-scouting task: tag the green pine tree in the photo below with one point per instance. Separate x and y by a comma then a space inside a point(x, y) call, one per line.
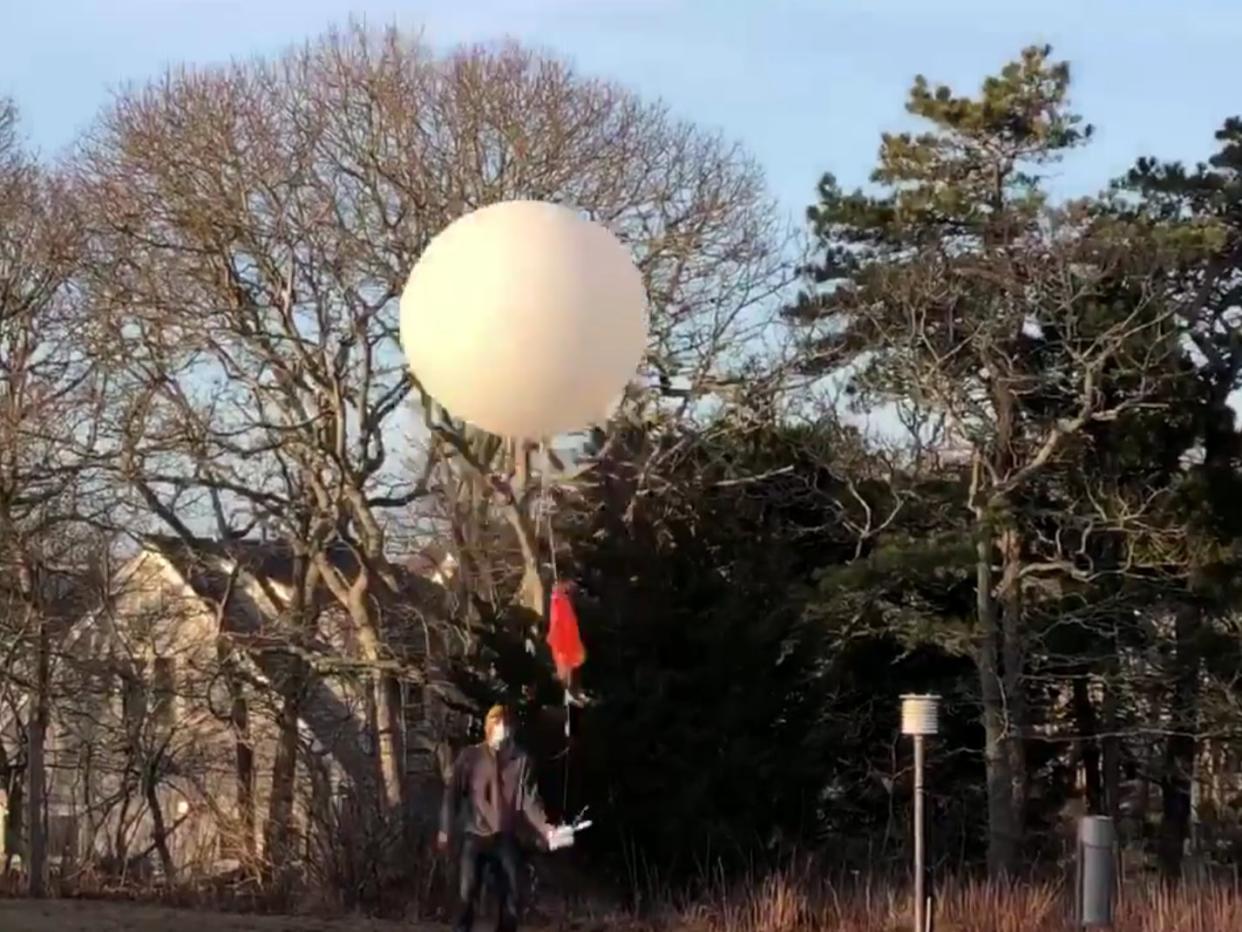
point(959, 289)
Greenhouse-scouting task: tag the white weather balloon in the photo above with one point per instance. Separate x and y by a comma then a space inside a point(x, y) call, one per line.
point(525, 319)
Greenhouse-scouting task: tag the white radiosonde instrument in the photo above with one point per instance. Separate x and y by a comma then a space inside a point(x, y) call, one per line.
point(562, 836)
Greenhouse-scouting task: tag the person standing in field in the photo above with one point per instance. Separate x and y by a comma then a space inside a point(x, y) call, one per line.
point(492, 787)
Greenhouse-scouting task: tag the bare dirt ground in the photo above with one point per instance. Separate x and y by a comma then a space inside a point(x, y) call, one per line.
point(91, 916)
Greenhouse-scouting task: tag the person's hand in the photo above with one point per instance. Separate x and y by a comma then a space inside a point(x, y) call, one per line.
point(558, 837)
point(442, 841)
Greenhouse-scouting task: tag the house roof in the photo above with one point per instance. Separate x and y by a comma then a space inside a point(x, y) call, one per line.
point(206, 565)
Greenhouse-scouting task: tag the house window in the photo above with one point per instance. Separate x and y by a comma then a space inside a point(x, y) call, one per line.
point(165, 687)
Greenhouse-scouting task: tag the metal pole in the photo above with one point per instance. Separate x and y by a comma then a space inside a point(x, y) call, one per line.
point(920, 875)
point(1097, 877)
point(920, 717)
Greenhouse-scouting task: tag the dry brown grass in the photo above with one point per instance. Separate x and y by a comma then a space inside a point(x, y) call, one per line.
point(782, 903)
point(99, 916)
point(792, 903)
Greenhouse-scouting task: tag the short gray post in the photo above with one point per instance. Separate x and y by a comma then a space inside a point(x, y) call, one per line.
point(920, 717)
point(1097, 876)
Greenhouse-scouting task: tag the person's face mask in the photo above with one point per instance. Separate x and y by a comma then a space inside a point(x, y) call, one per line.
point(499, 735)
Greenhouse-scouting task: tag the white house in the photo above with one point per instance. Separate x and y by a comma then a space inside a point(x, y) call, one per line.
point(168, 697)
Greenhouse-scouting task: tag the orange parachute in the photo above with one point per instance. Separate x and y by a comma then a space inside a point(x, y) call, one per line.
point(564, 639)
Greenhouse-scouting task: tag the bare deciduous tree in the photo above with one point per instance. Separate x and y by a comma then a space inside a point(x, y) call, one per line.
point(252, 226)
point(46, 424)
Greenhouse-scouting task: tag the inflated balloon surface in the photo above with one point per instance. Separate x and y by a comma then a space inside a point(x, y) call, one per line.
point(525, 319)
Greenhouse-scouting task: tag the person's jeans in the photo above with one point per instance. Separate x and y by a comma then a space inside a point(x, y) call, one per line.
point(478, 854)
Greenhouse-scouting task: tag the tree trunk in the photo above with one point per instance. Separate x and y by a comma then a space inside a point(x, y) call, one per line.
point(388, 745)
point(1180, 747)
point(1110, 744)
point(1087, 727)
point(356, 597)
point(244, 752)
point(243, 747)
point(1002, 827)
point(1013, 641)
point(120, 844)
point(159, 829)
point(36, 798)
point(534, 596)
point(278, 831)
point(321, 832)
point(392, 737)
point(386, 690)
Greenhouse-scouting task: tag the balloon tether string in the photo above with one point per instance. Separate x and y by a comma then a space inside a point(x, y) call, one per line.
point(556, 578)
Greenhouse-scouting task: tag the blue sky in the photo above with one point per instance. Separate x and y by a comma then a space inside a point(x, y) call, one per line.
point(806, 85)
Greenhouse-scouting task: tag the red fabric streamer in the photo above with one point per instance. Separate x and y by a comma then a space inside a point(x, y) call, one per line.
point(564, 639)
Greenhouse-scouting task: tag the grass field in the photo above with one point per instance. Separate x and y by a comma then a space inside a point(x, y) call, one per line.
point(777, 904)
point(89, 916)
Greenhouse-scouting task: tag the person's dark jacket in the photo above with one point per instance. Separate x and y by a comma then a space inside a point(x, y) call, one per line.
point(488, 790)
